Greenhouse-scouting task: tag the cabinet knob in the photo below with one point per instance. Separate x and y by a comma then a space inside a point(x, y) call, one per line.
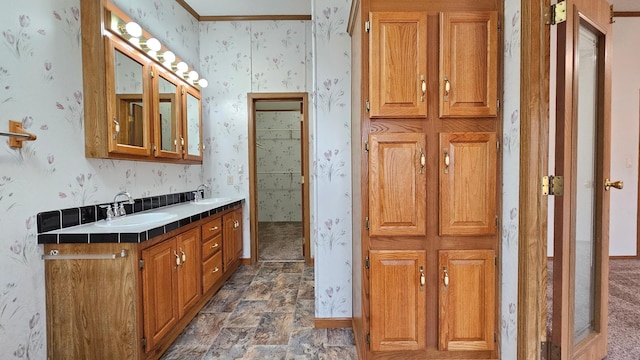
point(422, 278)
point(446, 277)
point(215, 245)
point(215, 270)
point(213, 228)
point(184, 256)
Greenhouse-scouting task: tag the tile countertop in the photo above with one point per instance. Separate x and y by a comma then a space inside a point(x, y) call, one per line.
point(102, 232)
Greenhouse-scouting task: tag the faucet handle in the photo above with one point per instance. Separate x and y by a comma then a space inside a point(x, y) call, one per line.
point(121, 211)
point(110, 212)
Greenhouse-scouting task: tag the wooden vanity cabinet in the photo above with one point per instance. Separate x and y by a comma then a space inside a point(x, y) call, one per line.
point(135, 306)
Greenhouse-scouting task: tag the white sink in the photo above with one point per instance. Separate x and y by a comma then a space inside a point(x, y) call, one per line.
point(137, 220)
point(212, 201)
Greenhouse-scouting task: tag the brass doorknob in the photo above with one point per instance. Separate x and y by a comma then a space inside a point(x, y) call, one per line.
point(616, 184)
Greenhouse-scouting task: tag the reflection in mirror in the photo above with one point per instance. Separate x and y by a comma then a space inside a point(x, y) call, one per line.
point(129, 104)
point(193, 125)
point(167, 113)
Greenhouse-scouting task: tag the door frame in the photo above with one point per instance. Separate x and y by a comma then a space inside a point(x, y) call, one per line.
point(303, 97)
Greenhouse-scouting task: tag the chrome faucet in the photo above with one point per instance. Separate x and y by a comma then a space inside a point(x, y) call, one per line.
point(118, 209)
point(196, 194)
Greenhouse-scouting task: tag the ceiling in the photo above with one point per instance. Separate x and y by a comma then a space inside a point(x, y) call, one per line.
point(618, 5)
point(250, 7)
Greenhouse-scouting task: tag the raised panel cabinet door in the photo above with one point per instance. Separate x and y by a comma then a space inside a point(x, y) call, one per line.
point(398, 58)
point(398, 300)
point(159, 289)
point(467, 300)
point(468, 183)
point(238, 233)
point(228, 239)
point(468, 64)
point(397, 184)
point(189, 271)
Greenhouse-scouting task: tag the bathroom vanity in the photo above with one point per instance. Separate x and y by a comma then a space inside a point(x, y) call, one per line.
point(130, 286)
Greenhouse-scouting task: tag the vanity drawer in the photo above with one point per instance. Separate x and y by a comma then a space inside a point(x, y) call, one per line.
point(209, 247)
point(211, 271)
point(212, 228)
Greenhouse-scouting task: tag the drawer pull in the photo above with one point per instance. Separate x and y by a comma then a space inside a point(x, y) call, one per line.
point(215, 245)
point(177, 258)
point(213, 228)
point(184, 256)
point(215, 270)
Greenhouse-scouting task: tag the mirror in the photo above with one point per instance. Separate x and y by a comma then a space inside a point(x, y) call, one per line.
point(129, 119)
point(193, 125)
point(168, 119)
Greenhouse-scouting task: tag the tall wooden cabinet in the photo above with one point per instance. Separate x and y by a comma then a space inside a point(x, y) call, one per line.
point(426, 178)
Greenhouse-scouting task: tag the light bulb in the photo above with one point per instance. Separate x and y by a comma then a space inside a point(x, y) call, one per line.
point(135, 41)
point(168, 56)
point(153, 54)
point(154, 44)
point(182, 66)
point(133, 29)
point(203, 83)
point(193, 75)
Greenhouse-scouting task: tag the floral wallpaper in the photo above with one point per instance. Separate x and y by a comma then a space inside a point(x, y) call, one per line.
point(279, 165)
point(510, 179)
point(41, 86)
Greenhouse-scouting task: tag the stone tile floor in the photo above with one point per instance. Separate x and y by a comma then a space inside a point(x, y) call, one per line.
point(264, 311)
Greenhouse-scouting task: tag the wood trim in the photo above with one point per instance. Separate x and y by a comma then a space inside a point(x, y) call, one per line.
point(189, 9)
point(254, 17)
point(534, 153)
point(253, 181)
point(353, 13)
point(626, 14)
point(638, 218)
point(333, 323)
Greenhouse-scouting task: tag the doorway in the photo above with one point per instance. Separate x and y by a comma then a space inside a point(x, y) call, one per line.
point(278, 168)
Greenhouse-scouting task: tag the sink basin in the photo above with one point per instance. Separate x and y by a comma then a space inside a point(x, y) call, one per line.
point(212, 201)
point(137, 220)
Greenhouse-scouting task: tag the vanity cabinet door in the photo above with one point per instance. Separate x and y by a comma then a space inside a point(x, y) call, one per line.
point(192, 115)
point(232, 237)
point(189, 275)
point(128, 88)
point(167, 102)
point(159, 291)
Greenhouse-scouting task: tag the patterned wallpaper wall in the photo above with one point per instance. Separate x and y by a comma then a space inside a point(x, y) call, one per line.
point(41, 86)
point(278, 162)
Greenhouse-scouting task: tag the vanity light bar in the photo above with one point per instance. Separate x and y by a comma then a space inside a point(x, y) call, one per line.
point(134, 34)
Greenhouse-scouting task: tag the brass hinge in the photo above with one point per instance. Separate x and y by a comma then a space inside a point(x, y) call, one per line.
point(367, 26)
point(144, 342)
point(152, 74)
point(366, 146)
point(611, 21)
point(557, 13)
point(498, 104)
point(141, 263)
point(367, 105)
point(549, 351)
point(368, 338)
point(495, 337)
point(498, 145)
point(552, 185)
point(366, 223)
point(497, 222)
point(366, 262)
point(302, 180)
point(499, 26)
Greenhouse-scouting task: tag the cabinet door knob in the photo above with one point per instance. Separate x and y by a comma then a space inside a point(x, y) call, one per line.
point(447, 88)
point(423, 87)
point(177, 258)
point(422, 278)
point(213, 228)
point(117, 132)
point(184, 256)
point(215, 245)
point(447, 161)
point(215, 270)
